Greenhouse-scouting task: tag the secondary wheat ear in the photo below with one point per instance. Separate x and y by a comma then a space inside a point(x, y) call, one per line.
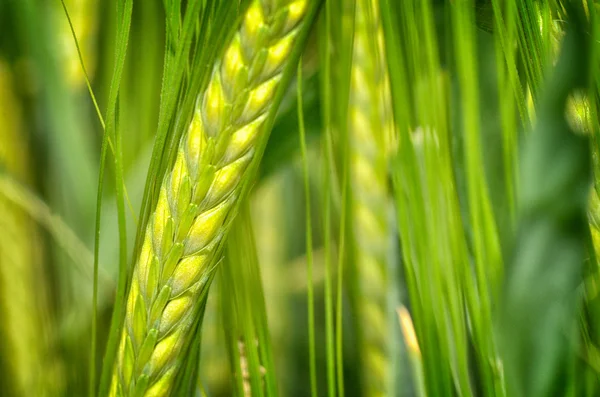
point(370, 125)
point(197, 195)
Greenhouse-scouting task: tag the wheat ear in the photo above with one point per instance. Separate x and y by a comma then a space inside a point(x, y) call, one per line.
point(370, 124)
point(194, 208)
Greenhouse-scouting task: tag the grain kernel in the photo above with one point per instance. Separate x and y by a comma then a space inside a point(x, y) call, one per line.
point(188, 272)
point(259, 98)
point(205, 227)
point(226, 179)
point(173, 313)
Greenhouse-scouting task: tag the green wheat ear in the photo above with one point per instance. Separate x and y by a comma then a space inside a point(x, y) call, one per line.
point(370, 124)
point(194, 208)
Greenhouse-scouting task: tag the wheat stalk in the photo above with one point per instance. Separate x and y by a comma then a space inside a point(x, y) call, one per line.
point(370, 131)
point(194, 209)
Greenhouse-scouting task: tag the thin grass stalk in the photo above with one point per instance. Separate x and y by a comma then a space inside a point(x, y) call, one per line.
point(510, 98)
point(403, 23)
point(427, 186)
point(441, 263)
point(198, 198)
point(486, 246)
point(327, 171)
point(369, 124)
point(244, 312)
point(214, 366)
point(327, 285)
point(310, 299)
point(530, 44)
point(336, 51)
point(111, 130)
point(268, 209)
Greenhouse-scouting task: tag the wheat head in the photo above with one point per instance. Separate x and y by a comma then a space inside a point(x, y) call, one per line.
point(194, 208)
point(370, 124)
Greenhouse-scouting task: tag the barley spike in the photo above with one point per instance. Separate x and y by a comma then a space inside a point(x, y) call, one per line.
point(194, 208)
point(370, 126)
